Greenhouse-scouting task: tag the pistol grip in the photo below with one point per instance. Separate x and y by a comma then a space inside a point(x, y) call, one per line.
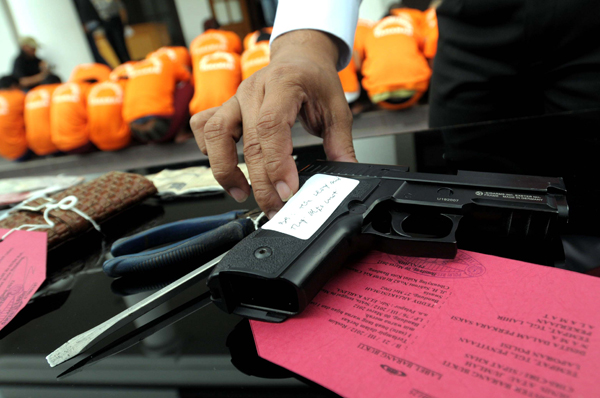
point(270, 275)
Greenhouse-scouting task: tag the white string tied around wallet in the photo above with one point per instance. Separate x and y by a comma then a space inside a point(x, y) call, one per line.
point(66, 204)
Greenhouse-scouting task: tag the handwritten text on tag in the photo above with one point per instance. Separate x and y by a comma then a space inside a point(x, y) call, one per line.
point(314, 203)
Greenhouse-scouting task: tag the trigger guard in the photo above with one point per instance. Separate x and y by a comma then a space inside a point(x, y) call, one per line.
point(399, 217)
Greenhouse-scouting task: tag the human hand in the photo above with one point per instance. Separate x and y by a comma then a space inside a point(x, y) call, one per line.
point(44, 67)
point(301, 80)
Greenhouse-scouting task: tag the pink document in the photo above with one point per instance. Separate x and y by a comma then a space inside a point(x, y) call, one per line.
point(475, 326)
point(22, 270)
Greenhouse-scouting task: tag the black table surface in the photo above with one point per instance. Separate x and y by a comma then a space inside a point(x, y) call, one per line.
point(210, 353)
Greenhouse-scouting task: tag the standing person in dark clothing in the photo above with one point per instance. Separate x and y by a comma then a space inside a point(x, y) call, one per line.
point(28, 68)
point(91, 21)
point(489, 53)
point(105, 14)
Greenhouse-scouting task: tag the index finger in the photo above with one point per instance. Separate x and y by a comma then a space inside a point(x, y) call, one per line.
point(251, 99)
point(221, 133)
point(197, 123)
point(277, 115)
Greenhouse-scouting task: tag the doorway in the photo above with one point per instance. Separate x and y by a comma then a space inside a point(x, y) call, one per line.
point(232, 15)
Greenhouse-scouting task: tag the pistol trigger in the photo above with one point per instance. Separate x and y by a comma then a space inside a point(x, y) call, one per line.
point(455, 218)
point(397, 219)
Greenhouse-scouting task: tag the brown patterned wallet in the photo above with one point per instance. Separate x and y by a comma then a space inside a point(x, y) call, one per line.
point(100, 199)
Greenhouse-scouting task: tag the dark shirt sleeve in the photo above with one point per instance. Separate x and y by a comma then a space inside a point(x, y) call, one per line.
point(19, 68)
point(25, 67)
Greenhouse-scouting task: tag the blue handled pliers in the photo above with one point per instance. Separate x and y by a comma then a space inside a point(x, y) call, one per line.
point(196, 240)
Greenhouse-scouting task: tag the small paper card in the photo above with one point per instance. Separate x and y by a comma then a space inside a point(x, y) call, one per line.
point(475, 326)
point(22, 270)
point(312, 205)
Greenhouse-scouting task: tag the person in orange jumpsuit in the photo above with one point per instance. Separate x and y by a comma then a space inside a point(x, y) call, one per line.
point(396, 79)
point(13, 143)
point(256, 56)
point(149, 106)
point(175, 53)
point(69, 129)
point(184, 90)
point(253, 37)
point(90, 73)
point(214, 39)
point(350, 76)
point(430, 33)
point(363, 28)
point(108, 130)
point(349, 80)
point(119, 74)
point(37, 117)
point(216, 79)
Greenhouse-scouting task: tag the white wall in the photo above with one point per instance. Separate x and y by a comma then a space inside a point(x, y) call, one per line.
point(56, 26)
point(192, 14)
point(374, 9)
point(8, 41)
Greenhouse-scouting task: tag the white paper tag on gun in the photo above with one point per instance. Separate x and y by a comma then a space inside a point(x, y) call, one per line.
point(314, 203)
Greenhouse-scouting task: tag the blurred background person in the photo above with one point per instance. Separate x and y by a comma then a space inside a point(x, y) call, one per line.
point(28, 68)
point(37, 117)
point(363, 28)
point(110, 16)
point(150, 105)
point(69, 114)
point(214, 39)
point(430, 34)
point(175, 53)
point(216, 66)
point(216, 79)
point(13, 143)
point(90, 73)
point(363, 102)
point(68, 118)
point(395, 71)
point(350, 84)
point(119, 74)
point(253, 37)
point(108, 130)
point(184, 91)
point(256, 56)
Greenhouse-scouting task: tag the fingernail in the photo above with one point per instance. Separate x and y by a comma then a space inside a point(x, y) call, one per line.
point(237, 194)
point(285, 193)
point(271, 214)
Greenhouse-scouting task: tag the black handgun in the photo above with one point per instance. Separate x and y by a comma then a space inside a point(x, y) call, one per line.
point(272, 275)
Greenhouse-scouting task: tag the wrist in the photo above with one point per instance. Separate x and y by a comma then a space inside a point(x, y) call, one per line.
point(316, 45)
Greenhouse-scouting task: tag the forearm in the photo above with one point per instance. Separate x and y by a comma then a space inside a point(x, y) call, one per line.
point(319, 46)
point(337, 18)
point(32, 80)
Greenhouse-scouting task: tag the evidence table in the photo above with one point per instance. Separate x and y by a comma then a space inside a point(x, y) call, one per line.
point(210, 353)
